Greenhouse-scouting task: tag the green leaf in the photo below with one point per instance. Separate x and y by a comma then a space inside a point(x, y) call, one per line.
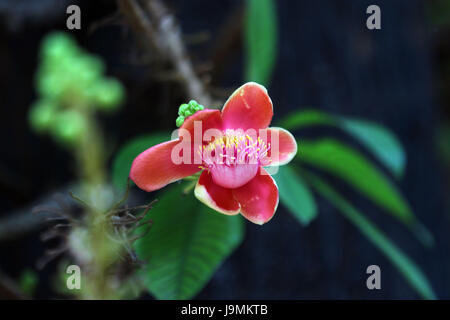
point(352, 167)
point(124, 158)
point(383, 144)
point(186, 244)
point(410, 271)
point(295, 195)
point(305, 118)
point(377, 139)
point(260, 40)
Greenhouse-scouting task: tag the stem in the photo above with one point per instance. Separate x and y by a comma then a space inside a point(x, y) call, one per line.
point(90, 153)
point(91, 164)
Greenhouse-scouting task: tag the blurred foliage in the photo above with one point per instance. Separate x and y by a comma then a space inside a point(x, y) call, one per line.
point(28, 281)
point(348, 164)
point(70, 83)
point(439, 12)
point(186, 244)
point(260, 40)
point(351, 166)
point(72, 88)
point(295, 195)
point(335, 157)
point(377, 139)
point(403, 263)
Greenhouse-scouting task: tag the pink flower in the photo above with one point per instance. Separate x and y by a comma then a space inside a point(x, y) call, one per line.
point(233, 179)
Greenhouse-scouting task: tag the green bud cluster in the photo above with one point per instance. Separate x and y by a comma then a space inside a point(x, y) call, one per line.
point(68, 82)
point(186, 110)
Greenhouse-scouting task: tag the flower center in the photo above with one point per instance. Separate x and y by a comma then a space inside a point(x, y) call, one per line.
point(234, 158)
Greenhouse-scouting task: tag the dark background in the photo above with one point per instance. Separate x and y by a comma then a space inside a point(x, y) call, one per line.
point(327, 59)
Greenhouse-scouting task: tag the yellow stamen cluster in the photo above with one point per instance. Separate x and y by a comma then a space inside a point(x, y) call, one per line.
point(232, 149)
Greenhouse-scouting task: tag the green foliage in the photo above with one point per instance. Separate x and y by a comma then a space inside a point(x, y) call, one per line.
point(295, 195)
point(305, 118)
point(349, 165)
point(186, 110)
point(68, 126)
point(410, 271)
point(70, 83)
point(352, 167)
point(186, 244)
point(42, 115)
point(380, 141)
point(124, 158)
point(28, 281)
point(442, 144)
point(260, 40)
point(438, 12)
point(107, 94)
point(377, 139)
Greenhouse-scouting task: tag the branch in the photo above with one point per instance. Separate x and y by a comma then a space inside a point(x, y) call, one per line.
point(161, 30)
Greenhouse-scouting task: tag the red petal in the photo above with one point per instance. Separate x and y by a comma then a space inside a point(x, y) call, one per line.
point(283, 146)
point(214, 196)
point(209, 118)
point(248, 107)
point(193, 130)
point(154, 168)
point(258, 198)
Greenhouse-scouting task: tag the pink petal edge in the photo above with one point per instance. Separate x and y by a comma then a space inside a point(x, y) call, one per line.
point(287, 147)
point(249, 107)
point(259, 198)
point(214, 196)
point(154, 168)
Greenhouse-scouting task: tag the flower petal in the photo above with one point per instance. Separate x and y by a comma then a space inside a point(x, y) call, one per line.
point(248, 107)
point(193, 133)
point(154, 168)
point(214, 196)
point(258, 198)
point(233, 176)
point(283, 146)
point(209, 118)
